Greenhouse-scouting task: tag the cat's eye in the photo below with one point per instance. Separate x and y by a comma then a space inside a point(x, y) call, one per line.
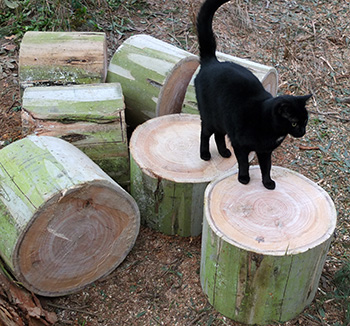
point(294, 124)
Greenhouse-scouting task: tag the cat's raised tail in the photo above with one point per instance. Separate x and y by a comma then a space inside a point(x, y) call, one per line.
point(206, 38)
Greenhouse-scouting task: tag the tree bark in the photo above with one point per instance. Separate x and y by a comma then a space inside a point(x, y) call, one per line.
point(158, 78)
point(60, 58)
point(91, 117)
point(64, 223)
point(263, 251)
point(168, 177)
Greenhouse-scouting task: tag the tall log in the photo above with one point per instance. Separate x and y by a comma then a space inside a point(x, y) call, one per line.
point(168, 178)
point(91, 117)
point(60, 58)
point(157, 77)
point(64, 223)
point(263, 251)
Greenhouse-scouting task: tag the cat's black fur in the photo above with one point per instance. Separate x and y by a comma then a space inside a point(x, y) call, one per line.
point(232, 101)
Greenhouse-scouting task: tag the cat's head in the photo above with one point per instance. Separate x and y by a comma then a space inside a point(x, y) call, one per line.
point(292, 114)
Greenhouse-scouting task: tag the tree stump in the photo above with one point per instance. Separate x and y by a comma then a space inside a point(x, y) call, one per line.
point(91, 117)
point(60, 58)
point(263, 251)
point(158, 78)
point(64, 223)
point(168, 177)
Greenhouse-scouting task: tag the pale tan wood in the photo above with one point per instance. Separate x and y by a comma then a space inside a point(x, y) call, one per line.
point(263, 251)
point(61, 58)
point(64, 222)
point(168, 177)
point(294, 217)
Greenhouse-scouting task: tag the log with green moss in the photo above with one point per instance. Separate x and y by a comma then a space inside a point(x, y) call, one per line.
point(60, 58)
point(64, 223)
point(263, 251)
point(168, 177)
point(91, 117)
point(158, 78)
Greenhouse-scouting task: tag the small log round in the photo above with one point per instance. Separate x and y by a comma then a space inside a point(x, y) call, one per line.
point(263, 251)
point(64, 223)
point(168, 177)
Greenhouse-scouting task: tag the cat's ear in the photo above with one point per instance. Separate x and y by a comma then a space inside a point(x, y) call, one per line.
point(304, 98)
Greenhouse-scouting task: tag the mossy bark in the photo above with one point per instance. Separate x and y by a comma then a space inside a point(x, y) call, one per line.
point(64, 223)
point(60, 58)
point(91, 117)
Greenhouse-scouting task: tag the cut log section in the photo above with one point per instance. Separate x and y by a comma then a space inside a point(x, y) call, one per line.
point(267, 75)
point(168, 178)
point(91, 117)
point(60, 58)
point(263, 251)
point(158, 78)
point(143, 65)
point(64, 223)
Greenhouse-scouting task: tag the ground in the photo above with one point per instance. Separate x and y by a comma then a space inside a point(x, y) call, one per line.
point(308, 42)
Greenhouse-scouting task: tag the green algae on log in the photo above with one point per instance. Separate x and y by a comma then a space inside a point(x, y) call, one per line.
point(263, 251)
point(168, 177)
point(64, 223)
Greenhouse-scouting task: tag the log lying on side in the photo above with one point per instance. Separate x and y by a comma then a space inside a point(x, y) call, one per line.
point(168, 178)
point(263, 251)
point(64, 223)
point(157, 77)
point(91, 117)
point(143, 65)
point(60, 58)
point(267, 75)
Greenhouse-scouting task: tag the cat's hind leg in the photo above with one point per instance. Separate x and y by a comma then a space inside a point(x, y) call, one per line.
point(265, 167)
point(204, 146)
point(221, 145)
point(242, 156)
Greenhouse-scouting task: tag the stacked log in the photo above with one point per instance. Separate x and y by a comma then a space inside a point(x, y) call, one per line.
point(91, 117)
point(60, 58)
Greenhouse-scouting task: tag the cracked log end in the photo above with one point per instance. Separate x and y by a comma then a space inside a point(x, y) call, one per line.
point(263, 251)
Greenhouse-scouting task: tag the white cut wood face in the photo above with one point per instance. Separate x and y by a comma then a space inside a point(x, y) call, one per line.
point(168, 147)
point(295, 217)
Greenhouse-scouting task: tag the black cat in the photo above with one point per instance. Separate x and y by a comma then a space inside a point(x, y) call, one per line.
point(232, 101)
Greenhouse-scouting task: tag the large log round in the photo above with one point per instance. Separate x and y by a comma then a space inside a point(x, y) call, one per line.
point(263, 251)
point(168, 177)
point(64, 223)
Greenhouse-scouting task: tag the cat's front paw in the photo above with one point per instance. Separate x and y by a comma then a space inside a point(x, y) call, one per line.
point(226, 153)
point(244, 179)
point(205, 156)
point(269, 184)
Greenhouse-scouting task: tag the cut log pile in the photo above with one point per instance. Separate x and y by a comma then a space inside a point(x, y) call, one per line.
point(66, 221)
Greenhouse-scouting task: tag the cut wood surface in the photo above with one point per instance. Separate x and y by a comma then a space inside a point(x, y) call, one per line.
point(62, 58)
point(263, 251)
point(158, 78)
point(91, 117)
point(64, 223)
point(168, 177)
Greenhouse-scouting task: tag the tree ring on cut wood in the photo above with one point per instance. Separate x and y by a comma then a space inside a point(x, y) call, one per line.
point(168, 177)
point(263, 251)
point(64, 223)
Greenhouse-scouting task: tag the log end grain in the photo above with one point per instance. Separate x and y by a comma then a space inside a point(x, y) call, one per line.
point(168, 147)
point(296, 216)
